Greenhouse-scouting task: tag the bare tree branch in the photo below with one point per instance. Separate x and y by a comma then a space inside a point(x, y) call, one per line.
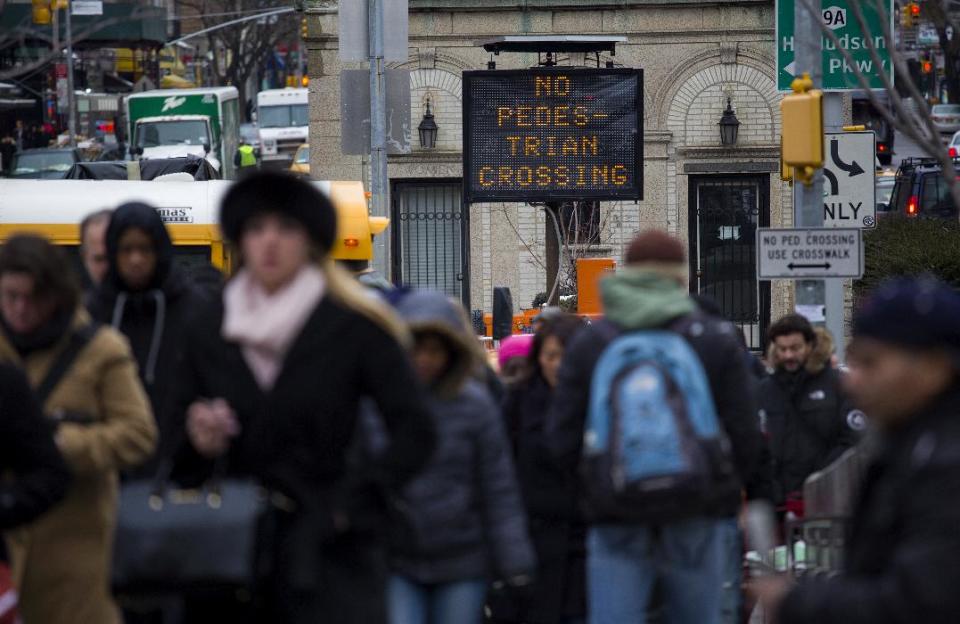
point(921, 130)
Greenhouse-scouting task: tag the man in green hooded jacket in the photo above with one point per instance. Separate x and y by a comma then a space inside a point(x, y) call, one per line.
point(694, 552)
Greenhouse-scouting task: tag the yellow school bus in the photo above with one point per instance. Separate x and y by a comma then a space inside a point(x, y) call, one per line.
point(55, 208)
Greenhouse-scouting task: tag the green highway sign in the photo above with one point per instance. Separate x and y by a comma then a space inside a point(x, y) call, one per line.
point(837, 15)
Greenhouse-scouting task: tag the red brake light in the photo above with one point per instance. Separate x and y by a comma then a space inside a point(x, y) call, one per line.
point(882, 147)
point(952, 152)
point(912, 205)
point(351, 242)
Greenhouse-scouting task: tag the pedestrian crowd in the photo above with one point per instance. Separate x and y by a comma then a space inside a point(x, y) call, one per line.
point(385, 475)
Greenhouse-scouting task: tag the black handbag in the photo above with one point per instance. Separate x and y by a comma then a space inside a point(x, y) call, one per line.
point(171, 540)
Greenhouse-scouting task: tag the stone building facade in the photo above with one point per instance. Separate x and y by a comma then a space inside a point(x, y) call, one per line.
point(696, 54)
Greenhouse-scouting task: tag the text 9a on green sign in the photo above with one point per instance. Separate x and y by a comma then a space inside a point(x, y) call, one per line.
point(839, 74)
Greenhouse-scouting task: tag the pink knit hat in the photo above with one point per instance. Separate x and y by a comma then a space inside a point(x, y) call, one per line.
point(514, 346)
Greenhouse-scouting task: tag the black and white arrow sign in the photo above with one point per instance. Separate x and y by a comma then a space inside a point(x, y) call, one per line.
point(849, 193)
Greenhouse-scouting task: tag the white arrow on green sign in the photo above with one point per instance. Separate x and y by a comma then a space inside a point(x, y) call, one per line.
point(838, 75)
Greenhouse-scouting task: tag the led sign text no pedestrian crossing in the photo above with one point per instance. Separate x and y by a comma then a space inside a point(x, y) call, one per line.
point(539, 135)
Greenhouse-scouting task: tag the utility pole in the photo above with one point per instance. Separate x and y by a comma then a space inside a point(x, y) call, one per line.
point(379, 180)
point(71, 95)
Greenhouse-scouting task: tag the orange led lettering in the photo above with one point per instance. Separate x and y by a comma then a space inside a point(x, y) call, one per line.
point(551, 146)
point(543, 176)
point(482, 176)
point(590, 144)
point(505, 175)
point(514, 143)
point(531, 146)
point(523, 116)
point(524, 176)
point(581, 175)
point(561, 85)
point(560, 119)
point(570, 147)
point(543, 85)
point(563, 175)
point(600, 175)
point(580, 117)
point(541, 116)
point(503, 113)
point(619, 175)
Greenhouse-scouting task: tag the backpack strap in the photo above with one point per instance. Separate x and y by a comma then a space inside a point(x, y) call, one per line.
point(78, 340)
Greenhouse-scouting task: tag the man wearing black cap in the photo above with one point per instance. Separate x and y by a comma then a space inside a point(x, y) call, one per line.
point(903, 555)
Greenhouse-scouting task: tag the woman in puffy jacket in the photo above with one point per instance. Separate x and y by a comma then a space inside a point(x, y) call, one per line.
point(460, 524)
point(558, 596)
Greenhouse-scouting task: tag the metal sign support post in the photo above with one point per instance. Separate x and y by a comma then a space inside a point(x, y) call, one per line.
point(808, 200)
point(379, 180)
point(71, 95)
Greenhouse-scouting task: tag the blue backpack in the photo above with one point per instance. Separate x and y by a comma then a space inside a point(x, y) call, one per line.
point(653, 445)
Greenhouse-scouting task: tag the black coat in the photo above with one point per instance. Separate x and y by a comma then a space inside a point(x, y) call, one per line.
point(903, 551)
point(716, 342)
point(295, 438)
point(556, 527)
point(153, 321)
point(462, 517)
point(38, 475)
point(809, 423)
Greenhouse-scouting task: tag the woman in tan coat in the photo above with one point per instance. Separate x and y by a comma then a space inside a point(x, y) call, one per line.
point(102, 424)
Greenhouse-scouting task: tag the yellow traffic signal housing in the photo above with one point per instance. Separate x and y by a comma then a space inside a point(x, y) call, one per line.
point(304, 28)
point(906, 17)
point(41, 12)
point(786, 171)
point(802, 118)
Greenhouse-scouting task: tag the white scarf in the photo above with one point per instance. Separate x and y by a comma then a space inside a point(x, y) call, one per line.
point(265, 325)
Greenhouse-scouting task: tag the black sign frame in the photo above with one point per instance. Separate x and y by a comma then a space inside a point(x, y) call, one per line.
point(632, 193)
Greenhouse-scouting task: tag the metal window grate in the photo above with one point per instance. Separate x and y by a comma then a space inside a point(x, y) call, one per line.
point(725, 213)
point(430, 237)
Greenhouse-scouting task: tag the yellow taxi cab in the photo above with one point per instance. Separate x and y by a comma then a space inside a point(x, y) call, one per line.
point(301, 160)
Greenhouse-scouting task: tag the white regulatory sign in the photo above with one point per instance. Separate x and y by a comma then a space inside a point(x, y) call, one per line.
point(849, 180)
point(809, 253)
point(87, 7)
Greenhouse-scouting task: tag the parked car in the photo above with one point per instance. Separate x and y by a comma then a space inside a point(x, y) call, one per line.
point(301, 161)
point(953, 147)
point(886, 180)
point(946, 117)
point(921, 192)
point(44, 163)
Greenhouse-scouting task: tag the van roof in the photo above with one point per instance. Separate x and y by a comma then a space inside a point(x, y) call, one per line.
point(226, 93)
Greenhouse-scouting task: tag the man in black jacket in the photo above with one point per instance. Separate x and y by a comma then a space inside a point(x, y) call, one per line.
point(689, 549)
point(150, 300)
point(902, 563)
point(808, 418)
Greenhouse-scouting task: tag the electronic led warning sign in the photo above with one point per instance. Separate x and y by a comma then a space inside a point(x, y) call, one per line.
point(553, 134)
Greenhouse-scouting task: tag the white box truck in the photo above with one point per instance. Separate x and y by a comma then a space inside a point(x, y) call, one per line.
point(284, 123)
point(178, 122)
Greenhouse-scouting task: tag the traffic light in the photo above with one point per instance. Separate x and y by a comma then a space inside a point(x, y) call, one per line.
point(927, 67)
point(305, 81)
point(802, 114)
point(906, 17)
point(304, 30)
point(41, 12)
point(915, 10)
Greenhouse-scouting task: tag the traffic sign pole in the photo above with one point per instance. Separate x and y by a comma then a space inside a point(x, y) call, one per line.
point(833, 288)
point(808, 200)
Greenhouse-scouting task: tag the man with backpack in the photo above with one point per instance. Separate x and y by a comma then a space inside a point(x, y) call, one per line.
point(657, 408)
